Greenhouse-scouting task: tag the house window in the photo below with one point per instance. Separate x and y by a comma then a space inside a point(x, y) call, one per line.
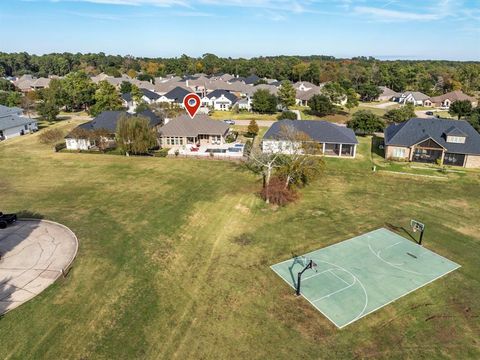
point(399, 152)
point(26, 127)
point(456, 139)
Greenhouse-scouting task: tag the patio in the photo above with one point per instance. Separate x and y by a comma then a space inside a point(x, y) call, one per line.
point(223, 150)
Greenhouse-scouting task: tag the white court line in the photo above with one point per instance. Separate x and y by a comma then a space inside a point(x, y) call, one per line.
point(335, 292)
point(338, 277)
point(311, 276)
point(391, 301)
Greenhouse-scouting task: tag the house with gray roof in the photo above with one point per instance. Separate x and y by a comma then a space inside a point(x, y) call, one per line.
point(441, 141)
point(106, 120)
point(13, 123)
point(387, 94)
point(175, 96)
point(414, 97)
point(185, 131)
point(220, 99)
point(332, 139)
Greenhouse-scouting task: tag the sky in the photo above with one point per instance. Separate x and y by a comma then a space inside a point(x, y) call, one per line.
point(385, 29)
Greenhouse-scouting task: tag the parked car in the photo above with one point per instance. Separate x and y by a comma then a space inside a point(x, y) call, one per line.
point(229, 122)
point(7, 219)
point(429, 113)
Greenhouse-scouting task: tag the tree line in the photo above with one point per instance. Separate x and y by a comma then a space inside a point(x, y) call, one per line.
point(428, 76)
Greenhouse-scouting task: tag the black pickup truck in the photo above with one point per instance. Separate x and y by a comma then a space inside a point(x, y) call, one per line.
point(7, 219)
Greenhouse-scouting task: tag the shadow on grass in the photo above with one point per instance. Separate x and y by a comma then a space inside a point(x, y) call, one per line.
point(27, 214)
point(376, 142)
point(401, 230)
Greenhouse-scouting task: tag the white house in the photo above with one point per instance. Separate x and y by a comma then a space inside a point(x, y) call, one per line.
point(221, 100)
point(414, 97)
point(331, 139)
point(13, 124)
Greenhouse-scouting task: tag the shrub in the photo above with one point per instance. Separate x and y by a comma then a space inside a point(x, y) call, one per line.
point(287, 115)
point(51, 136)
point(161, 153)
point(247, 148)
point(60, 146)
point(276, 193)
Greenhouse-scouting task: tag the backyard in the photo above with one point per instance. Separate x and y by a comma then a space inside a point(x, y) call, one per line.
point(174, 259)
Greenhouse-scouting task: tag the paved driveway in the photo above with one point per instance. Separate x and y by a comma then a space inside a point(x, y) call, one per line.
point(33, 255)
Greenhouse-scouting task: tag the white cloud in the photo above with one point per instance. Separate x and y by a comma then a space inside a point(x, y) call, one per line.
point(394, 15)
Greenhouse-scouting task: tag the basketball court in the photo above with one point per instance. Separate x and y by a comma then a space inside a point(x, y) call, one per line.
point(33, 254)
point(356, 277)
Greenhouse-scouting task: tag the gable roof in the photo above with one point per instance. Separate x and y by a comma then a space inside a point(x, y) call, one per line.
point(127, 97)
point(386, 91)
point(6, 110)
point(453, 96)
point(415, 130)
point(150, 94)
point(12, 120)
point(252, 79)
point(177, 94)
point(108, 120)
point(417, 95)
point(183, 126)
point(320, 131)
point(218, 93)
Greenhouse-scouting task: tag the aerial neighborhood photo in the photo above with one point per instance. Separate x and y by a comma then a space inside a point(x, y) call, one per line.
point(258, 179)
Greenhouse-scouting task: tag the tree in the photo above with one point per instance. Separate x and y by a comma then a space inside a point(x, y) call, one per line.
point(474, 118)
point(125, 87)
point(28, 101)
point(79, 91)
point(352, 99)
point(131, 73)
point(402, 114)
point(366, 122)
point(460, 108)
point(48, 109)
point(106, 98)
point(253, 129)
point(334, 92)
point(10, 98)
point(287, 94)
point(369, 92)
point(264, 102)
point(134, 135)
point(321, 105)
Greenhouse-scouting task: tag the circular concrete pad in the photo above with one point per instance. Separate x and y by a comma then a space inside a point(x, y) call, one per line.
point(33, 254)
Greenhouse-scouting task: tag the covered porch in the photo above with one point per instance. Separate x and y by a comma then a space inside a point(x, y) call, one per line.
point(428, 151)
point(340, 150)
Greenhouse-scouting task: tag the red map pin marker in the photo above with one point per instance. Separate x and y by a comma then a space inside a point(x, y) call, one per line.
point(192, 103)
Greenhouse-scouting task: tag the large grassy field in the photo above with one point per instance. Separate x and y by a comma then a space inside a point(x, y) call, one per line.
point(174, 260)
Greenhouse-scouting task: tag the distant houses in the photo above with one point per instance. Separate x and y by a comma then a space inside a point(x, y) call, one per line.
point(445, 100)
point(13, 123)
point(437, 141)
point(331, 139)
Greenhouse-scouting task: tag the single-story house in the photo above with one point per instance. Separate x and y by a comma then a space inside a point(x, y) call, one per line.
point(148, 96)
point(387, 94)
point(13, 123)
point(445, 100)
point(106, 120)
point(333, 139)
point(302, 97)
point(252, 79)
point(244, 104)
point(201, 130)
point(414, 97)
point(175, 96)
point(449, 142)
point(220, 100)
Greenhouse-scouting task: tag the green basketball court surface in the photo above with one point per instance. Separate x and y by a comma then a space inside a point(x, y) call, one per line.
point(355, 277)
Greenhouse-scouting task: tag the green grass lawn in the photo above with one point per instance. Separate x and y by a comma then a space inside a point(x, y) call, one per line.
point(222, 115)
point(174, 259)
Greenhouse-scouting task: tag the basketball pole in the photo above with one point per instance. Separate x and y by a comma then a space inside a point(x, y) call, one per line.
point(421, 236)
point(299, 277)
